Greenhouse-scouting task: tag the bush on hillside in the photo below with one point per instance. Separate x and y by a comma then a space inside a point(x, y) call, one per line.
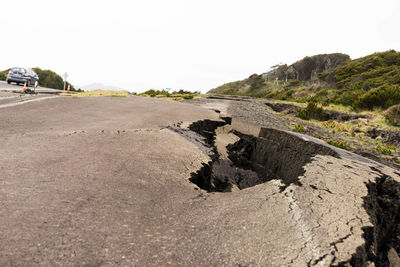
point(313, 111)
point(373, 70)
point(382, 97)
point(256, 82)
point(392, 115)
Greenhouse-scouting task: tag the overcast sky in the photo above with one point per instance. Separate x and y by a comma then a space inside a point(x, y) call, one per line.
point(192, 45)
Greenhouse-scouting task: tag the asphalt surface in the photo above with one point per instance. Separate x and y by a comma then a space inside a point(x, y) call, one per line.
point(11, 95)
point(96, 181)
point(101, 181)
point(5, 87)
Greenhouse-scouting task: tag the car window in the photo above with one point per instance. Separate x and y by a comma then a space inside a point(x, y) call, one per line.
point(20, 70)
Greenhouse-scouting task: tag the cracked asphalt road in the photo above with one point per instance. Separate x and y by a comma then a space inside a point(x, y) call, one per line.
point(102, 182)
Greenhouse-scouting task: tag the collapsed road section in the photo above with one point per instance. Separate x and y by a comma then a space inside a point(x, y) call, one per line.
point(253, 160)
point(347, 208)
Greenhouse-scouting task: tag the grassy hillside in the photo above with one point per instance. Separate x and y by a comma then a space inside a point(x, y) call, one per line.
point(364, 84)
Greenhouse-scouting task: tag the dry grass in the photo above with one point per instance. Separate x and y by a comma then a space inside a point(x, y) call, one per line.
point(98, 92)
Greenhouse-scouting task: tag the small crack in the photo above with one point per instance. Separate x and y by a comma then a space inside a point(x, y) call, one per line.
point(317, 260)
point(341, 240)
point(321, 189)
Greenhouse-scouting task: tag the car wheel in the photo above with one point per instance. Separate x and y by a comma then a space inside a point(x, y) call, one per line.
point(17, 83)
point(8, 82)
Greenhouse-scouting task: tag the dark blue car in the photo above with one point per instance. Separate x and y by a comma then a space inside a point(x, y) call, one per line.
point(22, 75)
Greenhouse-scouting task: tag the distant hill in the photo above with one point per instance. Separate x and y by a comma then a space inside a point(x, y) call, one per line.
point(364, 83)
point(95, 86)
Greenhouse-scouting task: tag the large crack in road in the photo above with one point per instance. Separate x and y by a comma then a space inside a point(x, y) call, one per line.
point(254, 160)
point(279, 155)
point(382, 243)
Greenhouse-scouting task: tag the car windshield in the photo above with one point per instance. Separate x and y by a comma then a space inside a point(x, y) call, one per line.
point(20, 70)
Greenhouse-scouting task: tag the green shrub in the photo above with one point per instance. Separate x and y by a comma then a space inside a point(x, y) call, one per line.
point(299, 128)
point(153, 93)
point(383, 97)
point(339, 144)
point(313, 111)
point(385, 149)
point(392, 115)
point(187, 96)
point(323, 75)
point(256, 82)
point(180, 92)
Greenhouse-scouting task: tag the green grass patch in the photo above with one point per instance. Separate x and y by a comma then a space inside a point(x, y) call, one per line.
point(299, 128)
point(385, 149)
point(339, 144)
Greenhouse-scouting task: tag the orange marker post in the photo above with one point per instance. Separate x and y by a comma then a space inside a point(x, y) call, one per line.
point(24, 89)
point(68, 88)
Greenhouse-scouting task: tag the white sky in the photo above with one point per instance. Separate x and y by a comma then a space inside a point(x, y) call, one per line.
point(186, 44)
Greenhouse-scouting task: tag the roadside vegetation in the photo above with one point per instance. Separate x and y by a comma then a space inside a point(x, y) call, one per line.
point(339, 144)
point(175, 95)
point(313, 111)
point(98, 93)
point(298, 128)
point(365, 83)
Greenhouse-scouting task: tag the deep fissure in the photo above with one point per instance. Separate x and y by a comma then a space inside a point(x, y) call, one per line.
point(254, 160)
point(383, 207)
point(274, 154)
